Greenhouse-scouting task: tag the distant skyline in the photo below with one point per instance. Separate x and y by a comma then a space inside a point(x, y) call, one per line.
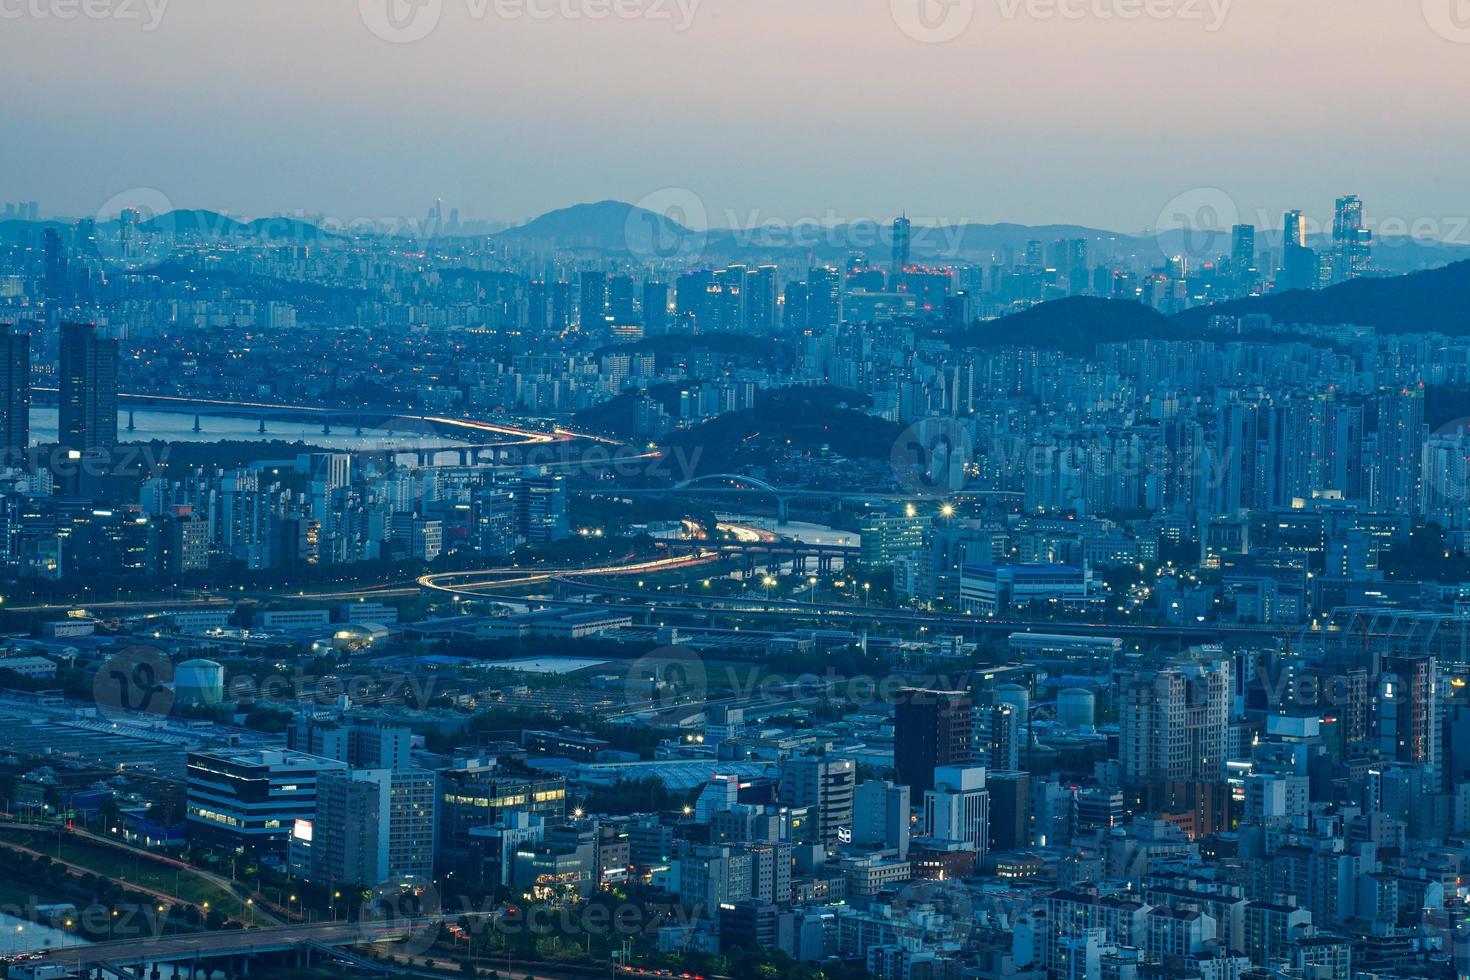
point(826, 110)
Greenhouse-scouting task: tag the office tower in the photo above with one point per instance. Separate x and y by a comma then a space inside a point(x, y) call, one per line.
point(250, 800)
point(881, 816)
point(1243, 255)
point(372, 826)
point(795, 313)
point(620, 298)
point(541, 509)
point(655, 308)
point(361, 746)
point(561, 305)
point(1408, 713)
point(475, 794)
point(958, 808)
point(824, 299)
point(88, 414)
point(902, 239)
point(1352, 244)
point(691, 297)
point(538, 308)
point(15, 395)
point(826, 786)
point(55, 282)
point(930, 729)
point(1174, 722)
point(1010, 809)
point(1078, 277)
point(998, 735)
point(592, 302)
point(761, 290)
point(1298, 261)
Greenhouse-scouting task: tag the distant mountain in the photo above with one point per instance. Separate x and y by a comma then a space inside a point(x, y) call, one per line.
point(1434, 301)
point(1075, 325)
point(607, 226)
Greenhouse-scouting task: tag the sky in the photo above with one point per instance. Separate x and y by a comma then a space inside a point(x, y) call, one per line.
point(1107, 113)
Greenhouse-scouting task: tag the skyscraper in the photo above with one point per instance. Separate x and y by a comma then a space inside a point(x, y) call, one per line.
point(56, 276)
point(1298, 261)
point(592, 306)
point(1352, 244)
point(902, 244)
point(1243, 256)
point(655, 307)
point(824, 298)
point(15, 395)
point(88, 415)
point(931, 729)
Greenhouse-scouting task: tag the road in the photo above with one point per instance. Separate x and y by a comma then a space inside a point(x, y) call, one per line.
point(234, 942)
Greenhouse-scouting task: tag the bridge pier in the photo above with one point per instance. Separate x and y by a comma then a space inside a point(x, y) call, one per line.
point(262, 425)
point(131, 426)
point(327, 427)
point(197, 426)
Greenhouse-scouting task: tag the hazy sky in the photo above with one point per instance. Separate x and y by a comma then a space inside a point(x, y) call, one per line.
point(1033, 111)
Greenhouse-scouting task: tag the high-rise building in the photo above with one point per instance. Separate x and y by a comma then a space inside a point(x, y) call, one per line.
point(957, 809)
point(824, 298)
point(88, 414)
point(541, 508)
point(931, 729)
point(1243, 256)
point(372, 826)
point(1352, 244)
point(55, 281)
point(592, 301)
point(1174, 722)
point(826, 786)
point(655, 308)
point(1298, 260)
point(1408, 713)
point(902, 244)
point(15, 395)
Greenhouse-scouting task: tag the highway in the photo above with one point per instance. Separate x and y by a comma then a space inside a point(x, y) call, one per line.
point(236, 942)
